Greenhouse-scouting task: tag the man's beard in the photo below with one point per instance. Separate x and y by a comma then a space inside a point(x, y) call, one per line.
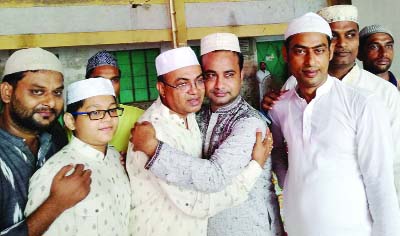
point(379, 70)
point(23, 117)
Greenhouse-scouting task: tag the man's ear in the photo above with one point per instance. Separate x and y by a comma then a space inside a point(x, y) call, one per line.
point(331, 51)
point(160, 88)
point(242, 75)
point(6, 90)
point(69, 121)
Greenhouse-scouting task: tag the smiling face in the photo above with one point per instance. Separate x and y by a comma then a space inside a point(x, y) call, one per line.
point(345, 38)
point(223, 77)
point(308, 56)
point(178, 100)
point(377, 53)
point(96, 133)
point(36, 101)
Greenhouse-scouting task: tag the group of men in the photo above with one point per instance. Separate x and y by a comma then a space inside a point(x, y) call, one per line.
point(334, 151)
point(32, 93)
point(208, 174)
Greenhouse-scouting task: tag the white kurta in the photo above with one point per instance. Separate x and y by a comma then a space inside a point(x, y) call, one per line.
point(163, 209)
point(340, 176)
point(264, 79)
point(386, 93)
point(105, 211)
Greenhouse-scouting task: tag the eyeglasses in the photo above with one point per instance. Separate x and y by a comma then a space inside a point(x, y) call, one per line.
point(100, 114)
point(186, 86)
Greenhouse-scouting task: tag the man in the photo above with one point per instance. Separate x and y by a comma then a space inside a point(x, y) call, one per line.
point(31, 91)
point(227, 125)
point(264, 79)
point(104, 64)
point(340, 176)
point(343, 21)
point(376, 52)
point(158, 207)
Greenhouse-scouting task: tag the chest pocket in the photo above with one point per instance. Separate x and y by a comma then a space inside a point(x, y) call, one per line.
point(89, 216)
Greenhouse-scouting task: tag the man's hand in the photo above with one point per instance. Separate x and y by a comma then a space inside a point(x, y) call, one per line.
point(122, 159)
point(270, 98)
point(66, 191)
point(143, 138)
point(262, 148)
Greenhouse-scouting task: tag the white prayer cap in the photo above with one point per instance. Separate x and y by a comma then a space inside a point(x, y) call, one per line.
point(32, 59)
point(87, 88)
point(373, 29)
point(175, 59)
point(339, 13)
point(310, 22)
point(219, 41)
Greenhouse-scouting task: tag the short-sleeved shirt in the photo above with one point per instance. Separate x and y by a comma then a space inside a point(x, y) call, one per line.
point(17, 165)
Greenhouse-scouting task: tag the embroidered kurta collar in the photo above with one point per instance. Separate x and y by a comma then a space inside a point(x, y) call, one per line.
point(230, 106)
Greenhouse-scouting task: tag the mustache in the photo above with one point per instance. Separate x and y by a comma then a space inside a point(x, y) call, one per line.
point(45, 109)
point(218, 90)
point(384, 58)
point(341, 50)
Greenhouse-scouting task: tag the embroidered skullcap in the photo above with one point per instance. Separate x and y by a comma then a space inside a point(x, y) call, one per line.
point(373, 29)
point(175, 59)
point(32, 59)
point(87, 88)
point(310, 22)
point(101, 58)
point(339, 13)
point(219, 41)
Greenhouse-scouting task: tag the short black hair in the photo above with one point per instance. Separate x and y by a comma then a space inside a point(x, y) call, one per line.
point(287, 42)
point(239, 55)
point(160, 78)
point(74, 107)
point(362, 43)
point(89, 72)
point(14, 78)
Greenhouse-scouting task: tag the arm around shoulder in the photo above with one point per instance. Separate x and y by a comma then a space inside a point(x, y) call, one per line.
point(215, 174)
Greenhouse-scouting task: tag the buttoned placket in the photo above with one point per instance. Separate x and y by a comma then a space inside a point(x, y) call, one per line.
point(309, 108)
point(307, 115)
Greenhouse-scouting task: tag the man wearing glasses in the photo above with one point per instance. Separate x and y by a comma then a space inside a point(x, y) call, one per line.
point(228, 125)
point(160, 208)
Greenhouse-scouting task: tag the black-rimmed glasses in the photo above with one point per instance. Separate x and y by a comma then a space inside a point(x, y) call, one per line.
point(186, 86)
point(100, 114)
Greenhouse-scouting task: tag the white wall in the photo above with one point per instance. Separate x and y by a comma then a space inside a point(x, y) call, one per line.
point(65, 19)
point(383, 12)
